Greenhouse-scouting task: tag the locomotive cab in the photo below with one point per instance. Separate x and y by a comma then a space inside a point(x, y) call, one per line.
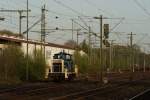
point(62, 67)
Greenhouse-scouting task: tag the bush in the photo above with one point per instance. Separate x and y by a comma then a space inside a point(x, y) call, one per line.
point(11, 58)
point(14, 64)
point(82, 62)
point(37, 66)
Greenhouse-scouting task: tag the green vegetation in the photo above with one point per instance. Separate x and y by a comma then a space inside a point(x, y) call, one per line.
point(11, 59)
point(37, 66)
point(13, 65)
point(122, 58)
point(81, 61)
point(88, 62)
point(7, 32)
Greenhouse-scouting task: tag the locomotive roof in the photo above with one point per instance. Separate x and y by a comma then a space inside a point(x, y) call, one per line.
point(63, 53)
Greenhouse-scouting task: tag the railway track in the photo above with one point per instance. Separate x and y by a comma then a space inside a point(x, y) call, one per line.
point(145, 95)
point(22, 87)
point(92, 92)
point(58, 91)
point(39, 90)
point(112, 88)
point(31, 90)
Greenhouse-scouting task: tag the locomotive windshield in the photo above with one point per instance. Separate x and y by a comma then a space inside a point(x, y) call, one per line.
point(62, 55)
point(68, 57)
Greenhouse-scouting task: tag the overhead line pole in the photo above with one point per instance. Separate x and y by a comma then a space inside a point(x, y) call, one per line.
point(27, 67)
point(101, 46)
point(2, 19)
point(131, 56)
point(89, 47)
point(72, 28)
point(144, 69)
point(131, 47)
point(43, 31)
point(20, 16)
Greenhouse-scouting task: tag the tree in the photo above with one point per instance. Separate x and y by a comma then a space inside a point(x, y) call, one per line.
point(84, 46)
point(38, 66)
point(71, 43)
point(11, 59)
point(9, 33)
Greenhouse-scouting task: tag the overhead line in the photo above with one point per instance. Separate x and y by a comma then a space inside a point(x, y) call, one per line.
point(57, 13)
point(95, 6)
point(142, 7)
point(117, 24)
point(83, 21)
point(80, 25)
point(62, 4)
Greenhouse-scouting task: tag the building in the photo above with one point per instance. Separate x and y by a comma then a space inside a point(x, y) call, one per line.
point(50, 48)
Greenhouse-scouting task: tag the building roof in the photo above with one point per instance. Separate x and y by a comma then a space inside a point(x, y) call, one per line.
point(22, 40)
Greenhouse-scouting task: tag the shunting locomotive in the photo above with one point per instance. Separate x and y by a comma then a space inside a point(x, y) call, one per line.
point(62, 67)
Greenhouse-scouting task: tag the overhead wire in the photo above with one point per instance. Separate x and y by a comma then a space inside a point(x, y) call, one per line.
point(121, 20)
point(142, 38)
point(73, 10)
point(95, 6)
point(142, 7)
point(60, 37)
point(58, 13)
point(66, 6)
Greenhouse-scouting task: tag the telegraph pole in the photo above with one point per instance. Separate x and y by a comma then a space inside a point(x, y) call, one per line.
point(77, 49)
point(131, 56)
point(27, 66)
point(101, 46)
point(43, 32)
point(2, 19)
point(144, 69)
point(89, 47)
point(131, 50)
point(77, 39)
point(20, 21)
point(72, 28)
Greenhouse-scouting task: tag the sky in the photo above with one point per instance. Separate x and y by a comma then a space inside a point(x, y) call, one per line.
point(136, 14)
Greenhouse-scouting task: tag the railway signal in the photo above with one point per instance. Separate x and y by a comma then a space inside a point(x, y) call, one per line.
point(2, 19)
point(106, 43)
point(106, 31)
point(101, 47)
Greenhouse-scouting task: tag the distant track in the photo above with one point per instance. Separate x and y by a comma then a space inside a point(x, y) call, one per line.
point(142, 96)
point(108, 89)
point(92, 92)
point(21, 90)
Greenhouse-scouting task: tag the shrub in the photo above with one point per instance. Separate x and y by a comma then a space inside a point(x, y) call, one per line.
point(14, 64)
point(37, 66)
point(11, 58)
point(82, 62)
